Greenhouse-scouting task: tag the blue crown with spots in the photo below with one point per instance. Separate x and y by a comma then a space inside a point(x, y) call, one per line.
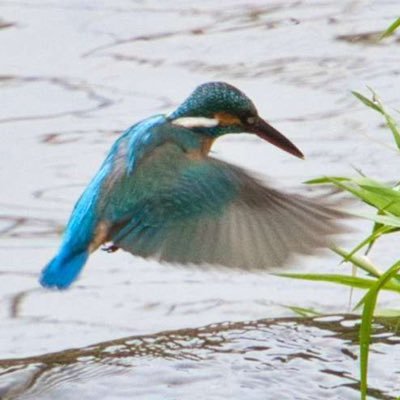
point(213, 97)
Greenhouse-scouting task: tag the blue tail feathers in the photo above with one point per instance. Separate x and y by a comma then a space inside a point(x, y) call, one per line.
point(63, 269)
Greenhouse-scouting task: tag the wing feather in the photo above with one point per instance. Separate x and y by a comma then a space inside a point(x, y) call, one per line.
point(218, 214)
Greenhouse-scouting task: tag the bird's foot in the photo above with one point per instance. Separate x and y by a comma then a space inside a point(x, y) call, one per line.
point(111, 248)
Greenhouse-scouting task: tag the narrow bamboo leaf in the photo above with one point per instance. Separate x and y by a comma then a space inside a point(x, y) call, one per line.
point(378, 230)
point(304, 312)
point(367, 101)
point(369, 301)
point(358, 261)
point(364, 180)
point(365, 335)
point(392, 28)
point(325, 179)
point(387, 191)
point(371, 197)
point(393, 126)
point(369, 240)
point(369, 191)
point(353, 281)
point(349, 187)
point(387, 220)
point(392, 277)
point(390, 121)
point(377, 105)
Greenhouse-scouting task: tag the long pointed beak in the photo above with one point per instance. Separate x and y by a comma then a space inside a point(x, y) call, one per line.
point(270, 134)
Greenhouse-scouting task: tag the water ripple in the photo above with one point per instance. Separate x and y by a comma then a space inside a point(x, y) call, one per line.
point(252, 353)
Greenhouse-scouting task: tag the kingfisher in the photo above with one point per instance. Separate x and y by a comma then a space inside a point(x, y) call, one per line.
point(160, 195)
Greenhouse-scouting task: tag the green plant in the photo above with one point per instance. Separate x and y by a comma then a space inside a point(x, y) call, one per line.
point(391, 29)
point(385, 201)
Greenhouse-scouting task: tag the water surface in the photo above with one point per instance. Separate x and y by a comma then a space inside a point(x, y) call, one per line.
point(78, 73)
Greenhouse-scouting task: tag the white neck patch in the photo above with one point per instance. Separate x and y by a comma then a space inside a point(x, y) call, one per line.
point(196, 122)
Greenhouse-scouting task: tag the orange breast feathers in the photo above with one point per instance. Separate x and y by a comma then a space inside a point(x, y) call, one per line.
point(203, 151)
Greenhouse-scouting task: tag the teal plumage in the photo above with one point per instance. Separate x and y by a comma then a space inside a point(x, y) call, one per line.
point(158, 194)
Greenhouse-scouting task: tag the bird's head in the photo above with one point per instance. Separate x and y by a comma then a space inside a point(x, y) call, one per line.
point(217, 108)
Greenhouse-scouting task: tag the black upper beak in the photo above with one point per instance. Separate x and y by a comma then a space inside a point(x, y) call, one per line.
point(270, 134)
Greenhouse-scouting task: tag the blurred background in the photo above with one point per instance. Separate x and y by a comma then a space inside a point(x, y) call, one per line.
point(75, 74)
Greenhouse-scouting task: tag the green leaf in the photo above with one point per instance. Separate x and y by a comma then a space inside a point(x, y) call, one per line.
point(347, 280)
point(389, 31)
point(384, 191)
point(377, 232)
point(387, 220)
point(392, 124)
point(376, 194)
point(304, 312)
point(360, 262)
point(326, 179)
point(377, 105)
point(367, 101)
point(369, 301)
point(365, 337)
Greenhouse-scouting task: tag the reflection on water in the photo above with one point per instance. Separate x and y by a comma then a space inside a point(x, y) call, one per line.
point(37, 86)
point(282, 358)
point(5, 24)
point(78, 73)
point(366, 38)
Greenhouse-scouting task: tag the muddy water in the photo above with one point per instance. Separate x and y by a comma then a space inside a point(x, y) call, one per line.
point(73, 75)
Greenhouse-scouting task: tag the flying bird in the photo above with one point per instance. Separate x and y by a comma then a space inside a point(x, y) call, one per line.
point(160, 195)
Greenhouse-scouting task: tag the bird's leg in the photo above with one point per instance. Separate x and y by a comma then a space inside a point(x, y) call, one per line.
point(110, 248)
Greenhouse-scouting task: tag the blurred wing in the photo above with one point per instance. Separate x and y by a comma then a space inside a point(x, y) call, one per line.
point(216, 213)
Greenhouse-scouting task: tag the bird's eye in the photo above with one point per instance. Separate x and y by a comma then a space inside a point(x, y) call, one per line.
point(251, 120)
